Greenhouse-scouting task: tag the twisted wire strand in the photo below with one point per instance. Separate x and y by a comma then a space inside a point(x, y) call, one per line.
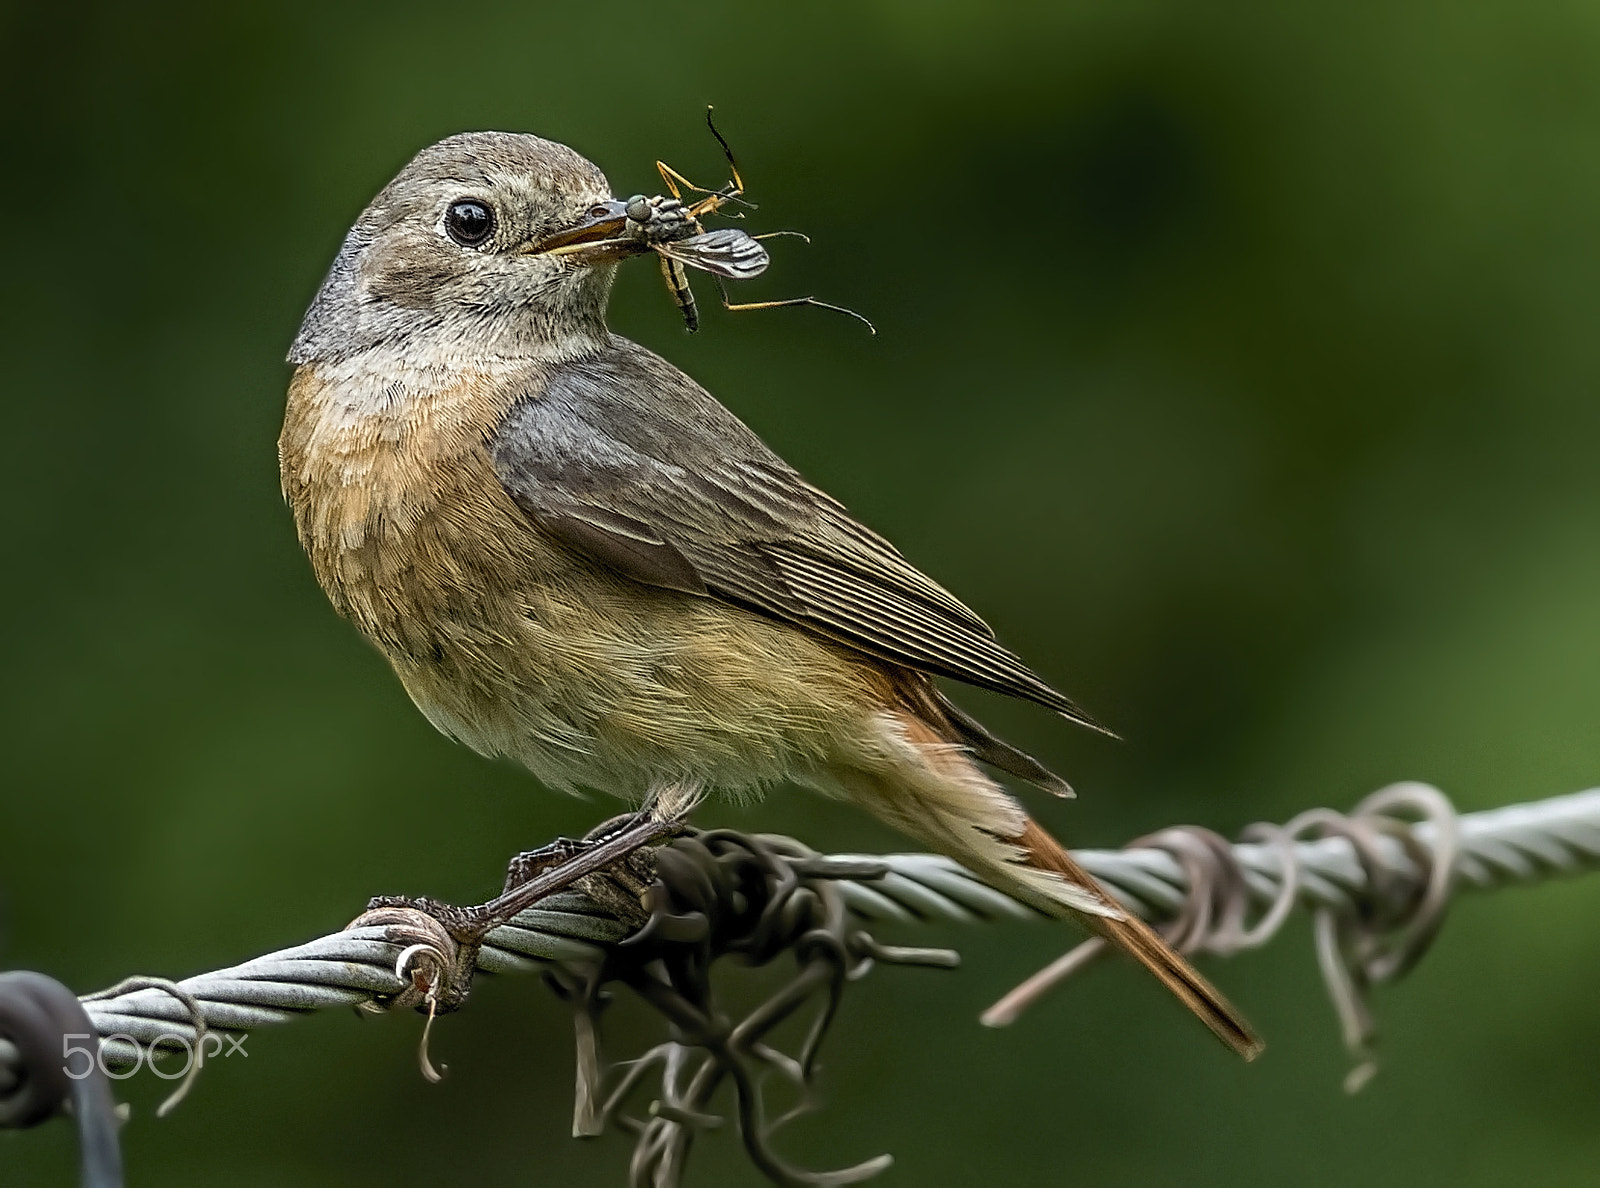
point(1518, 844)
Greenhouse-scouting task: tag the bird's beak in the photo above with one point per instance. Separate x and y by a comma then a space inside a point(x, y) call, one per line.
point(596, 238)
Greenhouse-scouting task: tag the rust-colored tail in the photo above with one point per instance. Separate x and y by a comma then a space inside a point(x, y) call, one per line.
point(1134, 937)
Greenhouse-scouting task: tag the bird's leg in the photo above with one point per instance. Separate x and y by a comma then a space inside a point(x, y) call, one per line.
point(440, 941)
point(539, 873)
point(528, 865)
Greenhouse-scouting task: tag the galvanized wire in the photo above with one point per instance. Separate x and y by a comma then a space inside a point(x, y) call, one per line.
point(1519, 844)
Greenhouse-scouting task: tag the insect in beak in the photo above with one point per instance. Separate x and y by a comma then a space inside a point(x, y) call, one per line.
point(671, 228)
point(596, 238)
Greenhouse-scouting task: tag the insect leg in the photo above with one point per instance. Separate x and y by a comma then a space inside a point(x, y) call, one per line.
point(736, 308)
point(713, 201)
point(727, 151)
point(671, 178)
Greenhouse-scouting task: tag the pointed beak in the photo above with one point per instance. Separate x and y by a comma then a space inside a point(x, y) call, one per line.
point(596, 238)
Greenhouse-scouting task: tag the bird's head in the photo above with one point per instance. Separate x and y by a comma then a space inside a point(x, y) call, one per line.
point(488, 244)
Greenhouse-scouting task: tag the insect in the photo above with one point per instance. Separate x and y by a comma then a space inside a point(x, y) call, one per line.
point(674, 232)
point(672, 229)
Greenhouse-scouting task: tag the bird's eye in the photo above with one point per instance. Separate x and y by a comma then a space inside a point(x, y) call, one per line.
point(469, 222)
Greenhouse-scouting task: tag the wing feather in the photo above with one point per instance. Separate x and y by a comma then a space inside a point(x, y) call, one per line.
point(626, 459)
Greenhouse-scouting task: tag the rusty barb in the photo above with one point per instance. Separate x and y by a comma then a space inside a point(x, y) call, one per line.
point(1395, 910)
point(755, 899)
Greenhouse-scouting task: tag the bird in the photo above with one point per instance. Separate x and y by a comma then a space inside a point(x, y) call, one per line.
point(573, 556)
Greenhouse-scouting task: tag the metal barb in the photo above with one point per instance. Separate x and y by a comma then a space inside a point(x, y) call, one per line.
point(197, 1021)
point(1374, 936)
point(715, 895)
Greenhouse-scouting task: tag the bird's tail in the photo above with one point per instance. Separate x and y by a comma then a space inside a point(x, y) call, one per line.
point(928, 786)
point(1139, 941)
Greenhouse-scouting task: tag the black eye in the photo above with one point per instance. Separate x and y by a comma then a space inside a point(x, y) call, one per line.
point(469, 222)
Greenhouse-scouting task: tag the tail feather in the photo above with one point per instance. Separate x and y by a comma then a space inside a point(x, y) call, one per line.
point(926, 784)
point(1136, 938)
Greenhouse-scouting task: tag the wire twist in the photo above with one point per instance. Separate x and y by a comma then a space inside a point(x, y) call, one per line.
point(1374, 935)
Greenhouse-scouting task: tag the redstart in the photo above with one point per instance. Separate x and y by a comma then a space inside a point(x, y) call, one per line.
point(572, 555)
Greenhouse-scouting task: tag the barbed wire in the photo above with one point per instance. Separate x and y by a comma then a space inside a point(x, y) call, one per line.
point(1377, 880)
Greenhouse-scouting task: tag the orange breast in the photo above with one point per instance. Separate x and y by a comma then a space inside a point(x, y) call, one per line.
point(397, 503)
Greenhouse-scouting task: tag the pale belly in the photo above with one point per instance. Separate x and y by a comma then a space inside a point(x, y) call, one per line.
point(600, 683)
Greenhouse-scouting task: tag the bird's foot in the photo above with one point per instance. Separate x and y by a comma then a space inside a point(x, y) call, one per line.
point(448, 938)
point(535, 874)
point(530, 864)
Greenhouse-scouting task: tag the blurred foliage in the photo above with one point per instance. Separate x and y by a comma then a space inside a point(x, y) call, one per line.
point(1237, 361)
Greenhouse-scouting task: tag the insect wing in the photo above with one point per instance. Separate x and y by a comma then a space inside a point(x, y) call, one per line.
point(724, 252)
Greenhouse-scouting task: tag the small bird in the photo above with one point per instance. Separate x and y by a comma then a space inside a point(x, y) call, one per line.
point(573, 556)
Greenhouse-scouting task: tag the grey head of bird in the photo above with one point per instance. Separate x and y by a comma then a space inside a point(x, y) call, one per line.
point(486, 245)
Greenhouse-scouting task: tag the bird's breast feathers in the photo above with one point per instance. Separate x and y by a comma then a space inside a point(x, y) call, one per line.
point(509, 640)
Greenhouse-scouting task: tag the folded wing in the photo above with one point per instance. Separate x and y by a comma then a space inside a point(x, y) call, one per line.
point(626, 459)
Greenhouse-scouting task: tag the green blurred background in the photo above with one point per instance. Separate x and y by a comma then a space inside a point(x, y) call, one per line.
point(1237, 361)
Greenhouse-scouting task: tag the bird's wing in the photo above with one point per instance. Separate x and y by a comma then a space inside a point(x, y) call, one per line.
point(628, 460)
